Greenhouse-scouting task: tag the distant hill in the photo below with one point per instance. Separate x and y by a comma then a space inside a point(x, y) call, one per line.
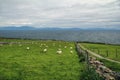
point(52, 28)
point(17, 28)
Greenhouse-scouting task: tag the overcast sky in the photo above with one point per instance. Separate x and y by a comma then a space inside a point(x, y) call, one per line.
point(60, 13)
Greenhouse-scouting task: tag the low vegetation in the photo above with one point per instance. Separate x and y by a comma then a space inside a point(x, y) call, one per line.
point(113, 66)
point(41, 60)
point(108, 51)
point(101, 50)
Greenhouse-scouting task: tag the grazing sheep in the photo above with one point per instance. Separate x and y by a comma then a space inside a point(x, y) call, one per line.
point(46, 46)
point(71, 47)
point(27, 48)
point(59, 52)
point(41, 44)
point(45, 50)
point(20, 44)
point(59, 49)
point(71, 51)
point(65, 46)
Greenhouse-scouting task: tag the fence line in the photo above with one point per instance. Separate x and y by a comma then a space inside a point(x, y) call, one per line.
point(106, 52)
point(100, 68)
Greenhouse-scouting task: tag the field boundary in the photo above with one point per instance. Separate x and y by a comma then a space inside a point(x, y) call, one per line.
point(97, 55)
point(100, 68)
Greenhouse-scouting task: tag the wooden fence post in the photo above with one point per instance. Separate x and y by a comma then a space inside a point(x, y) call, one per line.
point(116, 52)
point(87, 60)
point(78, 49)
point(98, 51)
point(107, 53)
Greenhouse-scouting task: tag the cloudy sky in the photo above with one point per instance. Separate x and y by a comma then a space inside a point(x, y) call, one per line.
point(60, 13)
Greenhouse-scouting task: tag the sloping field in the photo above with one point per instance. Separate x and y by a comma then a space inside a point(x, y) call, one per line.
point(38, 60)
point(28, 60)
point(42, 60)
point(108, 51)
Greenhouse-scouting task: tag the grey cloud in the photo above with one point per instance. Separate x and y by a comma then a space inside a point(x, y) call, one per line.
point(60, 13)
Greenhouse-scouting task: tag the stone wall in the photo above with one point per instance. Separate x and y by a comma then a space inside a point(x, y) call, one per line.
point(100, 68)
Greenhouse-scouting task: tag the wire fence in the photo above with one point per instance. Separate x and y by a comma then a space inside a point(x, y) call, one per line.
point(99, 66)
point(107, 52)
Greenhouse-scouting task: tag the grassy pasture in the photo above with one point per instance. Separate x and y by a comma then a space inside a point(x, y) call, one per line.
point(27, 60)
point(18, 63)
point(108, 51)
point(113, 66)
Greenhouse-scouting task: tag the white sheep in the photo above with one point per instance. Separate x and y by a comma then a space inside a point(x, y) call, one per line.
point(27, 48)
point(71, 47)
point(59, 52)
point(71, 51)
point(59, 49)
point(20, 44)
point(46, 46)
point(65, 46)
point(41, 44)
point(45, 50)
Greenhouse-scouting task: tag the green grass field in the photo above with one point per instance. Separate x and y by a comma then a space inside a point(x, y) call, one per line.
point(17, 62)
point(108, 51)
point(113, 66)
point(102, 51)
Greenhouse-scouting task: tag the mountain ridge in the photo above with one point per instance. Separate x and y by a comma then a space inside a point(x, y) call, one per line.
point(51, 28)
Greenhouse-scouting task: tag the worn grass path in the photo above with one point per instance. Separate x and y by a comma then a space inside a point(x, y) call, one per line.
point(97, 55)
